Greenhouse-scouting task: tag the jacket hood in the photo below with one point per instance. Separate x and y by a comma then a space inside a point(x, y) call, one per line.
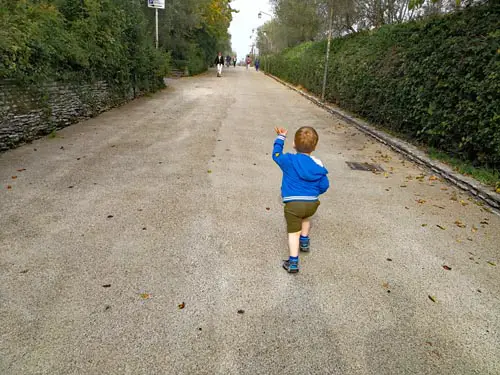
point(308, 167)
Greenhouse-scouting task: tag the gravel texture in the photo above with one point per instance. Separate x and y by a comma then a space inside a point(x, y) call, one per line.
point(148, 240)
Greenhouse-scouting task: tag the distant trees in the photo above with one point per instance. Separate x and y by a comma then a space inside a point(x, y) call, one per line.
point(111, 40)
point(298, 21)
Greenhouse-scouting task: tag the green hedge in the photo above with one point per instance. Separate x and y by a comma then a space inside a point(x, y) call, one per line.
point(74, 40)
point(436, 81)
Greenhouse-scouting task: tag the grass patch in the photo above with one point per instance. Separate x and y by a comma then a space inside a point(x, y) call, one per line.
point(487, 176)
point(53, 134)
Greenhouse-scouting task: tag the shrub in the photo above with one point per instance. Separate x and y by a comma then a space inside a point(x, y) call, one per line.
point(436, 81)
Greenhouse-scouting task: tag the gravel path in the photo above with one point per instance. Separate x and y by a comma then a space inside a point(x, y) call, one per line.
point(173, 201)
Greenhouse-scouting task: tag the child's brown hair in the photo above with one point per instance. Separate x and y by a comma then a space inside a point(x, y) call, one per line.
point(306, 139)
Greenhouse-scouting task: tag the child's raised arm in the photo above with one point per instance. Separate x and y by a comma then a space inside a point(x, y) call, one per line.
point(278, 156)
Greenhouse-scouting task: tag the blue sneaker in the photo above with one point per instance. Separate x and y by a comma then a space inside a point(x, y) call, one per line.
point(304, 245)
point(291, 267)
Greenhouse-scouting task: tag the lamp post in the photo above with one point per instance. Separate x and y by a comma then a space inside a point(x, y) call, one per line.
point(268, 40)
point(327, 59)
point(271, 45)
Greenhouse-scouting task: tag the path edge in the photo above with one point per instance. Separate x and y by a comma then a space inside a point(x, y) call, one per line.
point(475, 188)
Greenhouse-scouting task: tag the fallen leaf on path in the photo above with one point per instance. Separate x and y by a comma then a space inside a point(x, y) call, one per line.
point(473, 229)
point(14, 177)
point(432, 298)
point(441, 207)
point(421, 201)
point(9, 187)
point(407, 207)
point(389, 259)
point(21, 169)
point(145, 295)
point(447, 268)
point(181, 305)
point(241, 311)
point(491, 263)
point(433, 178)
point(484, 222)
point(23, 271)
point(440, 227)
point(403, 186)
point(463, 203)
point(110, 216)
point(424, 225)
point(106, 286)
point(268, 208)
point(444, 188)
point(209, 171)
point(469, 238)
point(459, 224)
point(385, 285)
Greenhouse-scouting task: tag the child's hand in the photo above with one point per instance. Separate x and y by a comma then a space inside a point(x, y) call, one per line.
point(281, 131)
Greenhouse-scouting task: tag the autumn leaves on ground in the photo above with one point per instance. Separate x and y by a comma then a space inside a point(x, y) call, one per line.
point(119, 253)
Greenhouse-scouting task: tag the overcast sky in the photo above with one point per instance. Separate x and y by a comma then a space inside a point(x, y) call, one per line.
point(244, 21)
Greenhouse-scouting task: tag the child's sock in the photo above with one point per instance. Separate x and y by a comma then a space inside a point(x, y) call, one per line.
point(304, 238)
point(293, 259)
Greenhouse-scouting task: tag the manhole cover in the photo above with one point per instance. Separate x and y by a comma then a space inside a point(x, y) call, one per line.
point(364, 166)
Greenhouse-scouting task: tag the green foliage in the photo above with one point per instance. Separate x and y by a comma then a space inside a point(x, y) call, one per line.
point(80, 40)
point(436, 80)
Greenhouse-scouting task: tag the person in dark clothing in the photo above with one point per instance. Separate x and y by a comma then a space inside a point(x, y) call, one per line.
point(219, 63)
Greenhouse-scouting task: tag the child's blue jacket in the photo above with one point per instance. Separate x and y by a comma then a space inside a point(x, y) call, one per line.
point(304, 176)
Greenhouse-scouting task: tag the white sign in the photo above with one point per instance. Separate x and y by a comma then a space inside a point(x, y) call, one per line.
point(158, 4)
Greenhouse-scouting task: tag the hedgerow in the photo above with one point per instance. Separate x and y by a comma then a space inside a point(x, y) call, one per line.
point(436, 81)
point(72, 41)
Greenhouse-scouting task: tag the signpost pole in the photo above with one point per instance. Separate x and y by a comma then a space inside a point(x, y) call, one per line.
point(156, 17)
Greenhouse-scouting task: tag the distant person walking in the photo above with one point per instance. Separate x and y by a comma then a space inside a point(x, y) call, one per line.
point(219, 63)
point(234, 61)
point(248, 61)
point(257, 65)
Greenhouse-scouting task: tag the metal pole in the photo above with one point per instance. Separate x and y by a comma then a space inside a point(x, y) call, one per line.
point(156, 16)
point(327, 54)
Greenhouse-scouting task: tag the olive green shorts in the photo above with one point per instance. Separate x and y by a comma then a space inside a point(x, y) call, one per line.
point(296, 211)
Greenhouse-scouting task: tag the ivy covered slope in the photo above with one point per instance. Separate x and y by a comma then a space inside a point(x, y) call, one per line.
point(436, 81)
point(75, 40)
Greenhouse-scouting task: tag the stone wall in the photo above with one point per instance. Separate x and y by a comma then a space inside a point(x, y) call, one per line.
point(29, 113)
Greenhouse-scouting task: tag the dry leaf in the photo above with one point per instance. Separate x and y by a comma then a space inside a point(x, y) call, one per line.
point(9, 187)
point(444, 188)
point(424, 225)
point(385, 285)
point(14, 177)
point(421, 201)
point(459, 224)
point(463, 203)
point(432, 298)
point(440, 227)
point(491, 263)
point(209, 171)
point(433, 178)
point(447, 268)
point(21, 169)
point(403, 186)
point(145, 295)
point(474, 229)
point(181, 305)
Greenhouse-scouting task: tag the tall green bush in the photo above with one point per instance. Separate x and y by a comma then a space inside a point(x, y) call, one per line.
point(436, 80)
point(75, 40)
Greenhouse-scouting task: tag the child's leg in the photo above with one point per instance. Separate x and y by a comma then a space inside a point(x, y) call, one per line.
point(293, 244)
point(306, 226)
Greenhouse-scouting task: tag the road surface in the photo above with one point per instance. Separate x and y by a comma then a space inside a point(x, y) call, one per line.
point(149, 240)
